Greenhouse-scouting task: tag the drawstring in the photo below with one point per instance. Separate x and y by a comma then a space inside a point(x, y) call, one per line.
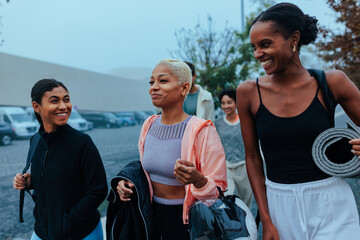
point(301, 207)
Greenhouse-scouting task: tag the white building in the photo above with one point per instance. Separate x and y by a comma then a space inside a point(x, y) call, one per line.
point(88, 90)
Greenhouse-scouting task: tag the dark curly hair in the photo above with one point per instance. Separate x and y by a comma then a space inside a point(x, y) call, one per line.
point(229, 92)
point(289, 18)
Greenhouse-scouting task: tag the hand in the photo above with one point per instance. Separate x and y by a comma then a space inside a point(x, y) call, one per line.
point(124, 189)
point(186, 173)
point(356, 146)
point(22, 181)
point(270, 232)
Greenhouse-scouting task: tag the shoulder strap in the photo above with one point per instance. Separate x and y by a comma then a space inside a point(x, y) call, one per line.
point(258, 89)
point(329, 99)
point(33, 144)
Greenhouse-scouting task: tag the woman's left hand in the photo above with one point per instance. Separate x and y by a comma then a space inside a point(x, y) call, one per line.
point(186, 173)
point(355, 146)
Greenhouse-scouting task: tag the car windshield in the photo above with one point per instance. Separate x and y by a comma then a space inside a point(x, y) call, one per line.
point(20, 117)
point(109, 115)
point(75, 115)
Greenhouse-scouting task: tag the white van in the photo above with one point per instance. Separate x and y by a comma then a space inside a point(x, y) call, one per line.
point(19, 120)
point(77, 122)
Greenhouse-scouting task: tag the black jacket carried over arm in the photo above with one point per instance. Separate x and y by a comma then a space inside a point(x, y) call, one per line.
point(129, 220)
point(69, 182)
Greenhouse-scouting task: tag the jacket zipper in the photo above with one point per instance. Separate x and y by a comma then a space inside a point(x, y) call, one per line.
point(142, 216)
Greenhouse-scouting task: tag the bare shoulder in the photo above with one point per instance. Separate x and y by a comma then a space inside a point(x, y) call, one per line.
point(340, 84)
point(246, 88)
point(336, 77)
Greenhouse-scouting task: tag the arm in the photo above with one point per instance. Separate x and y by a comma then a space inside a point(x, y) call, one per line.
point(210, 171)
point(348, 96)
point(93, 172)
point(254, 163)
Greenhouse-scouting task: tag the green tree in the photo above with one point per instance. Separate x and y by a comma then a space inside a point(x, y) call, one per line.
point(213, 53)
point(222, 58)
point(342, 48)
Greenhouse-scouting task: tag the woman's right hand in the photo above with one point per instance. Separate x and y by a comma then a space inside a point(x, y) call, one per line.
point(22, 181)
point(124, 189)
point(270, 232)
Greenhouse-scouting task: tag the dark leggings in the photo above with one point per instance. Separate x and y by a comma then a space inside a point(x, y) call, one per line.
point(167, 223)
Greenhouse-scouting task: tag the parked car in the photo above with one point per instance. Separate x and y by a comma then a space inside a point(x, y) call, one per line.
point(140, 117)
point(102, 119)
point(127, 118)
point(6, 134)
point(77, 122)
point(89, 125)
point(19, 120)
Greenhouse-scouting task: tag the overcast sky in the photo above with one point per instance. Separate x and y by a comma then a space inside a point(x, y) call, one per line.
point(103, 35)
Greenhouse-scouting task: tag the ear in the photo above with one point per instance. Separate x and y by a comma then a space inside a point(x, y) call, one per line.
point(186, 89)
point(36, 107)
point(295, 38)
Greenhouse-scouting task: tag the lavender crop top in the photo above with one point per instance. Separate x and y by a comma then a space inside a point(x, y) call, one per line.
point(162, 149)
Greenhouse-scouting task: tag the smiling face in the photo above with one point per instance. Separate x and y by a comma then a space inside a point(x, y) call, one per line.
point(164, 88)
point(55, 108)
point(271, 49)
point(228, 105)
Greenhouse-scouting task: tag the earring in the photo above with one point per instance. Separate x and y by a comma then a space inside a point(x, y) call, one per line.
point(294, 48)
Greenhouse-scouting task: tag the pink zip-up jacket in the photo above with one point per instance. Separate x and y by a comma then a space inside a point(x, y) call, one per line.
point(202, 146)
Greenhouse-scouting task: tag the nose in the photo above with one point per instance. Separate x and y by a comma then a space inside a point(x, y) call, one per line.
point(154, 86)
point(258, 53)
point(62, 105)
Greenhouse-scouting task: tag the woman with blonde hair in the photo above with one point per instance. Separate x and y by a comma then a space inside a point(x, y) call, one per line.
point(182, 155)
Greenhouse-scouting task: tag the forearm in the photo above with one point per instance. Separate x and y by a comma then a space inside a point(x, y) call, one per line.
point(256, 176)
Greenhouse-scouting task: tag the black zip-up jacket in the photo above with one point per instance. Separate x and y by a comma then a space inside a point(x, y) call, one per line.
point(129, 220)
point(69, 183)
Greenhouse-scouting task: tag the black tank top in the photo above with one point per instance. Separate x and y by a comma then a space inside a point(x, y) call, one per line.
point(286, 142)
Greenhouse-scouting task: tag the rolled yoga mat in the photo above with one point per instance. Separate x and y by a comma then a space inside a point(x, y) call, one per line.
point(331, 152)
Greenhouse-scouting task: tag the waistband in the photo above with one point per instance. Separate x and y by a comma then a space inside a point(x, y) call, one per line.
point(313, 186)
point(165, 201)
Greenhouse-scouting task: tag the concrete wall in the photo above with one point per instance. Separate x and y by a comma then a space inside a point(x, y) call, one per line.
point(88, 90)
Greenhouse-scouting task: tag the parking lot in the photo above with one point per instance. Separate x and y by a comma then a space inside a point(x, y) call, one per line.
point(117, 146)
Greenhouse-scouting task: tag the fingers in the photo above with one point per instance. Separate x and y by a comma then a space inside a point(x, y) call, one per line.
point(124, 190)
point(20, 181)
point(184, 166)
point(355, 146)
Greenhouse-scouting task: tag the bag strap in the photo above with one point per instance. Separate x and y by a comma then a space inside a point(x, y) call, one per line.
point(33, 144)
point(329, 99)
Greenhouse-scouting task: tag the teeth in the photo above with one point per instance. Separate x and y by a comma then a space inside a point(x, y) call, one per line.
point(266, 62)
point(61, 114)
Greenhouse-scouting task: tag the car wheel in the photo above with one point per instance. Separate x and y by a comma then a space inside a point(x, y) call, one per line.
point(6, 140)
point(107, 125)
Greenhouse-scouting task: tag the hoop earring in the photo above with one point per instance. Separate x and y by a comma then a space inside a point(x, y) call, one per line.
point(294, 48)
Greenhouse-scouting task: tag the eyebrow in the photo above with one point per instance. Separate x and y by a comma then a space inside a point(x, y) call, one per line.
point(58, 97)
point(160, 75)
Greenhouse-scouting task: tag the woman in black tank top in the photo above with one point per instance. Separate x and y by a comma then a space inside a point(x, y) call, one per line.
point(285, 111)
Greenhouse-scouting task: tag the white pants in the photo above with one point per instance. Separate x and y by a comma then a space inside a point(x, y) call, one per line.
point(238, 180)
point(319, 210)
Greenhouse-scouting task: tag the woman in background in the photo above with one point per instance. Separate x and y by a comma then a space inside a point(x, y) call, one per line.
point(67, 174)
point(229, 131)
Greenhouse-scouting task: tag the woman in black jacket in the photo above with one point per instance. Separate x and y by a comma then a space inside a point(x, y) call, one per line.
point(67, 173)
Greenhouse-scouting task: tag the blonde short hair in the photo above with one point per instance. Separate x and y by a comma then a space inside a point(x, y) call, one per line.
point(180, 69)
